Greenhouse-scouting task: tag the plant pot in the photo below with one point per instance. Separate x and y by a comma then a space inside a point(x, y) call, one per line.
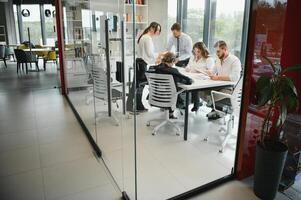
point(269, 165)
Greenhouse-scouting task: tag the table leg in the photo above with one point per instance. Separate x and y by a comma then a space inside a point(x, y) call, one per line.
point(186, 115)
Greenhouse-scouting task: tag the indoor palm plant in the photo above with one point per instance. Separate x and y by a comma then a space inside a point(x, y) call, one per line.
point(277, 93)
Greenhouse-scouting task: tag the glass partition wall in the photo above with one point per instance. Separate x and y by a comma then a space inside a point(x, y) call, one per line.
point(98, 64)
point(100, 51)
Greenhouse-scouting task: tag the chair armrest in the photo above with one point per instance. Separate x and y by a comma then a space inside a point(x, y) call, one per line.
point(143, 83)
point(180, 91)
point(220, 94)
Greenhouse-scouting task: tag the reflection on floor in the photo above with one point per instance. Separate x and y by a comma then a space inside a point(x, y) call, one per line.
point(167, 165)
point(11, 81)
point(44, 154)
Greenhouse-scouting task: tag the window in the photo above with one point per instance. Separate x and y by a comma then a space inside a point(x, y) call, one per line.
point(193, 19)
point(172, 14)
point(50, 30)
point(227, 24)
point(16, 23)
point(33, 22)
point(86, 23)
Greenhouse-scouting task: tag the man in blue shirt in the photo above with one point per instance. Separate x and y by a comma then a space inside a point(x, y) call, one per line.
point(182, 44)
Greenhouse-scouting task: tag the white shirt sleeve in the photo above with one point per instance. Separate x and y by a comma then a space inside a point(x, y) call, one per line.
point(187, 48)
point(210, 63)
point(236, 71)
point(188, 68)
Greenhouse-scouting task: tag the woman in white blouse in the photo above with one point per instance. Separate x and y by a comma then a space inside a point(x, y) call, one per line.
point(145, 56)
point(200, 62)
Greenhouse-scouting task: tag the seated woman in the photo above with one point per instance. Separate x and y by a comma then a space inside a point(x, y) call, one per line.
point(166, 67)
point(200, 62)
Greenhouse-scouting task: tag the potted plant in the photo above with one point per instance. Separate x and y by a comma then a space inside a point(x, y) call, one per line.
point(278, 95)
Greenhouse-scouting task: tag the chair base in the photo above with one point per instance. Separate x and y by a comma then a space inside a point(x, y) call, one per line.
point(112, 117)
point(166, 121)
point(228, 132)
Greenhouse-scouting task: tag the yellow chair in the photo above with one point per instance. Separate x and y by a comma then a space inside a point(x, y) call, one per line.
point(22, 46)
point(41, 54)
point(51, 56)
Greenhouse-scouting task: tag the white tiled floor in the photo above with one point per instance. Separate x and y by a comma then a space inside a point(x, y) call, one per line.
point(44, 154)
point(167, 165)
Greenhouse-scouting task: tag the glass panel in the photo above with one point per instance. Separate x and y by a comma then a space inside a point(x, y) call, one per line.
point(50, 24)
point(177, 155)
point(32, 20)
point(268, 40)
point(98, 77)
point(194, 23)
point(227, 23)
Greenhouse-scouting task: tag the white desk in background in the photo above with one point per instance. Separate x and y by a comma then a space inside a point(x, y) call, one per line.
point(200, 83)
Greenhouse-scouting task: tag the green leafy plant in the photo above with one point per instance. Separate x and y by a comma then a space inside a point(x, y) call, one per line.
point(278, 93)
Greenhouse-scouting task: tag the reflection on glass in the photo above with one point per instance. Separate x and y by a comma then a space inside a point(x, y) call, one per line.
point(269, 32)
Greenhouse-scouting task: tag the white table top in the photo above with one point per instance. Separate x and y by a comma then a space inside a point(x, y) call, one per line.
point(200, 83)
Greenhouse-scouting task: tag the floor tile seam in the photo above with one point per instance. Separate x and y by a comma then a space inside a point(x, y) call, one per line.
point(20, 172)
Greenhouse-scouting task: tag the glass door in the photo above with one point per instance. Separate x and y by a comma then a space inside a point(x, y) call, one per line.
point(98, 69)
point(112, 58)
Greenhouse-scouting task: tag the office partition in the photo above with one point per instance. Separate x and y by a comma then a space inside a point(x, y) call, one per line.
point(100, 40)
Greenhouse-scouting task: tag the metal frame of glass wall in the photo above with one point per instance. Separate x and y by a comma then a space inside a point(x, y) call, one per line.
point(19, 20)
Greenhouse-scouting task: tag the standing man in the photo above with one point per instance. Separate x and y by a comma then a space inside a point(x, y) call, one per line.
point(182, 43)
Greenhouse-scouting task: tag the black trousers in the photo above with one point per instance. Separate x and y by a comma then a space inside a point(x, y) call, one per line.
point(141, 67)
point(182, 63)
point(195, 98)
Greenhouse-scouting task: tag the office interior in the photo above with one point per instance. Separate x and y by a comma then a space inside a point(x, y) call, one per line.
point(95, 45)
point(148, 166)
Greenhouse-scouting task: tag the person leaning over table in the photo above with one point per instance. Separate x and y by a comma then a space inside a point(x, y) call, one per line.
point(145, 56)
point(227, 68)
point(199, 62)
point(182, 43)
point(166, 67)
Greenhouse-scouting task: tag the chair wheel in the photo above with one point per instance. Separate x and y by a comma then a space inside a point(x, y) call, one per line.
point(178, 134)
point(154, 133)
point(221, 150)
point(148, 124)
point(205, 139)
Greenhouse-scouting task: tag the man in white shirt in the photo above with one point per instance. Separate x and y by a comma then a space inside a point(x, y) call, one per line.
point(227, 68)
point(182, 44)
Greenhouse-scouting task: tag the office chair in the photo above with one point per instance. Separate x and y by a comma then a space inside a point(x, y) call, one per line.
point(162, 94)
point(100, 91)
point(229, 107)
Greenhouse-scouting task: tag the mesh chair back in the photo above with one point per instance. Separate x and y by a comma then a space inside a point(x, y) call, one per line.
point(100, 83)
point(162, 90)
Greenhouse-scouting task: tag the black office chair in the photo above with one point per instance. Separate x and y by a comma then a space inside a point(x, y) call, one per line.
point(21, 59)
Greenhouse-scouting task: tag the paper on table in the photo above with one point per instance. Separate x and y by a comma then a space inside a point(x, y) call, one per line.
point(199, 76)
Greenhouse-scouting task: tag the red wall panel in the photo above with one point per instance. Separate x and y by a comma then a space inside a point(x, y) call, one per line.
point(266, 36)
